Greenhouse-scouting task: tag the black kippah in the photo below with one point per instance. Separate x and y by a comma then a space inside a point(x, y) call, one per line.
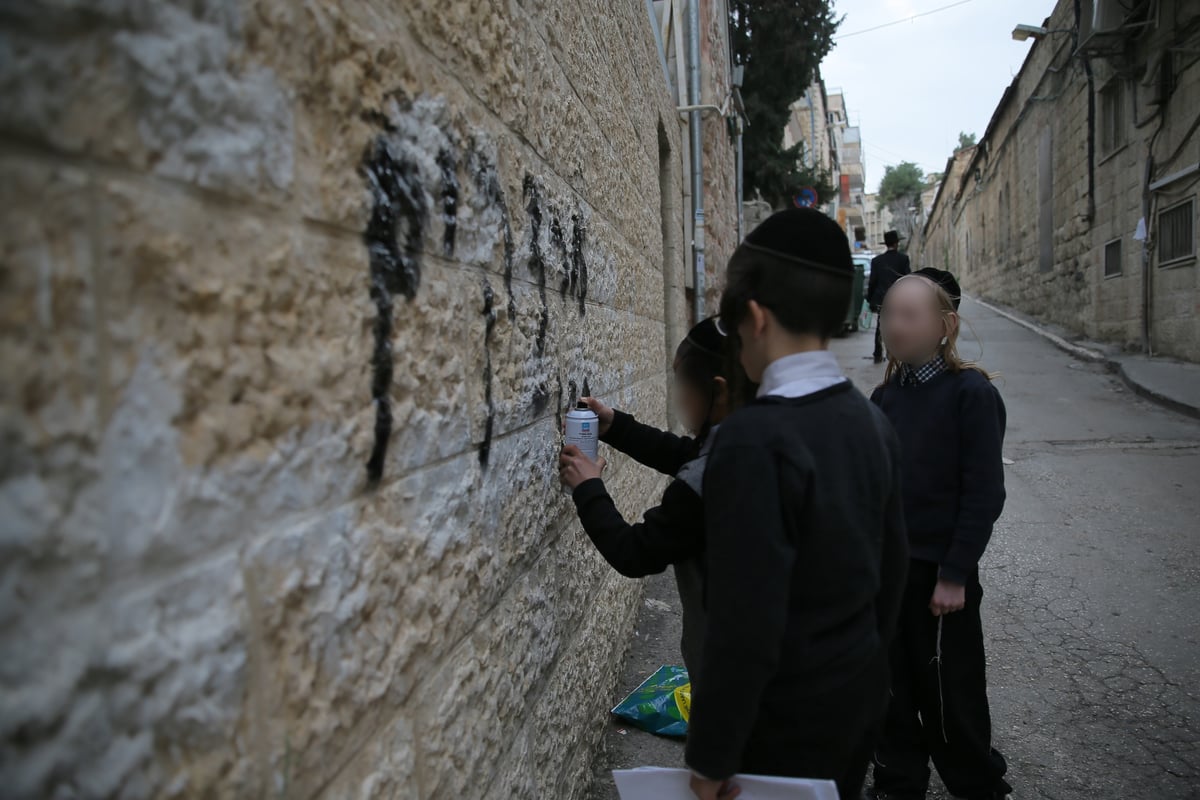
point(707, 337)
point(806, 237)
point(945, 280)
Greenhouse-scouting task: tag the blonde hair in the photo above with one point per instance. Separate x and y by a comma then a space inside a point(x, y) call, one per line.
point(948, 351)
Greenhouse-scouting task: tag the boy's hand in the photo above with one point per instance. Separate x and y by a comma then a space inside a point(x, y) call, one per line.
point(948, 597)
point(574, 467)
point(605, 413)
point(713, 790)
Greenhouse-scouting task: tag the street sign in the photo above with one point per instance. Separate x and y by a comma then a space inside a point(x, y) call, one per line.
point(806, 198)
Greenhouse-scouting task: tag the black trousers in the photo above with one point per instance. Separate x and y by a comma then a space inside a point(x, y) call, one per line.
point(827, 736)
point(878, 339)
point(939, 705)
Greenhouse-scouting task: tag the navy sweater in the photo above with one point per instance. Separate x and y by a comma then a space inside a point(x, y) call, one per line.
point(806, 562)
point(670, 533)
point(951, 431)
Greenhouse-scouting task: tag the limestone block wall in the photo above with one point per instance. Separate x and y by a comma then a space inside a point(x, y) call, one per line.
point(292, 298)
point(720, 187)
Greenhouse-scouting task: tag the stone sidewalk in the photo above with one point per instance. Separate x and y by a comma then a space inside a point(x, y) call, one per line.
point(1171, 383)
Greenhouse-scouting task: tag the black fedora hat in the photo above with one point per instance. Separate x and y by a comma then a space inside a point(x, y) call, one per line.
point(892, 238)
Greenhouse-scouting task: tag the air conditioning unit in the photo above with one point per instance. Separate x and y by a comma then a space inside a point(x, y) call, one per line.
point(1101, 25)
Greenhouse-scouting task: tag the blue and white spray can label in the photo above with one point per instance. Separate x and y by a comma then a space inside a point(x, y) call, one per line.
point(583, 431)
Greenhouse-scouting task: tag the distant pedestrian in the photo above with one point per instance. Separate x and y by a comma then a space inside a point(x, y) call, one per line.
point(709, 385)
point(951, 421)
point(804, 535)
point(886, 269)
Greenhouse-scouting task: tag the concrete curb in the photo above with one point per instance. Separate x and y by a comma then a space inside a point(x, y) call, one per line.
point(1142, 390)
point(1095, 356)
point(1080, 352)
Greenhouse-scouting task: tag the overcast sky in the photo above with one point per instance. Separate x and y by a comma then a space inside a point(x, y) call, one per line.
point(912, 87)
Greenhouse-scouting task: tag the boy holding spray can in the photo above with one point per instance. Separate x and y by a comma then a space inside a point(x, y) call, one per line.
point(708, 385)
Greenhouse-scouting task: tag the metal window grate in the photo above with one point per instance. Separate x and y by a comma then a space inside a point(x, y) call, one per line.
point(1112, 258)
point(1176, 233)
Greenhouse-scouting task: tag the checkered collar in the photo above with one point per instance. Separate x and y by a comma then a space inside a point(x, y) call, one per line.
point(913, 376)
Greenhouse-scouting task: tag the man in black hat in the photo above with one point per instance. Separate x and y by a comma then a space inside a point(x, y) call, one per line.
point(886, 268)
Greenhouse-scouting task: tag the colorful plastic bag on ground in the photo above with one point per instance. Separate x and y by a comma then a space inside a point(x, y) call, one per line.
point(661, 705)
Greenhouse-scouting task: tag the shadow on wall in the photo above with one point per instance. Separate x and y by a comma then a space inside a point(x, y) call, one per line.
point(418, 155)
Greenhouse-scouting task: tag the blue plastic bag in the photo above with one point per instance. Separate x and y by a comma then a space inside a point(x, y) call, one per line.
point(661, 705)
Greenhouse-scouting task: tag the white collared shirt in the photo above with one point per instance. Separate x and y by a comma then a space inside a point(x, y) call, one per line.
point(801, 374)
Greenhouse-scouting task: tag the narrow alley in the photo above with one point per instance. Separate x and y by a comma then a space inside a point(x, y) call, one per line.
point(305, 310)
point(1090, 582)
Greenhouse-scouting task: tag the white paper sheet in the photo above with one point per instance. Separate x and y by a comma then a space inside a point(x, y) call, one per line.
point(660, 783)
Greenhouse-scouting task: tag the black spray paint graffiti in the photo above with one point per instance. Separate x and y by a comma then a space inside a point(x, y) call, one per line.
point(487, 181)
point(574, 280)
point(559, 240)
point(393, 239)
point(558, 405)
point(578, 269)
point(448, 165)
point(411, 170)
point(537, 260)
point(489, 315)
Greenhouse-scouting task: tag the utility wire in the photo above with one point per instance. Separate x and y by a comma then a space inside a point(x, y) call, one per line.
point(900, 21)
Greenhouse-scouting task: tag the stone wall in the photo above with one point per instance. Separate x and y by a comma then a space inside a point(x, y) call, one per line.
point(989, 221)
point(294, 296)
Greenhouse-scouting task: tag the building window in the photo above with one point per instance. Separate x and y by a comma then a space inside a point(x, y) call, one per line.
point(1112, 258)
point(1112, 117)
point(1176, 233)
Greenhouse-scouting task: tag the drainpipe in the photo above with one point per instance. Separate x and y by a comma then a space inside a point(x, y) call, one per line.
point(741, 185)
point(693, 68)
point(1091, 118)
point(812, 130)
point(736, 76)
point(1146, 250)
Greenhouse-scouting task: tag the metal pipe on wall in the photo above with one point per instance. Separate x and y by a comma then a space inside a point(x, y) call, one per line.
point(697, 158)
point(739, 189)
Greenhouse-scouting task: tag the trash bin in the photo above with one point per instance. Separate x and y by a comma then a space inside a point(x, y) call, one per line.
point(856, 297)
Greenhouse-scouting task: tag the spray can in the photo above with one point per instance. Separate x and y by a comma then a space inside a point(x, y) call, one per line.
point(583, 430)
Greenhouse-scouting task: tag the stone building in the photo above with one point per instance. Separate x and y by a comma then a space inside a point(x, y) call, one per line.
point(1078, 205)
point(851, 178)
point(932, 244)
point(808, 123)
point(877, 219)
point(294, 297)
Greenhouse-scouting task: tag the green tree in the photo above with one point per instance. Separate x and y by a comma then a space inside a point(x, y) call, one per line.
point(780, 43)
point(900, 192)
point(903, 181)
point(965, 140)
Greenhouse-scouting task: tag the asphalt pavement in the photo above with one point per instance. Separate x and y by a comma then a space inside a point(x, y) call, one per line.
point(1091, 581)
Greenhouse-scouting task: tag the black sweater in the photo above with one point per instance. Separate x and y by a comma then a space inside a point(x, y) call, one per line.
point(886, 269)
point(670, 533)
point(951, 431)
point(806, 559)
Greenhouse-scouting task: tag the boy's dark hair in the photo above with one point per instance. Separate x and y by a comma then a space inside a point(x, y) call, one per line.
point(706, 354)
point(797, 264)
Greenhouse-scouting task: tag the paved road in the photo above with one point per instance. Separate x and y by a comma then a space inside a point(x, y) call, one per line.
point(1092, 583)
